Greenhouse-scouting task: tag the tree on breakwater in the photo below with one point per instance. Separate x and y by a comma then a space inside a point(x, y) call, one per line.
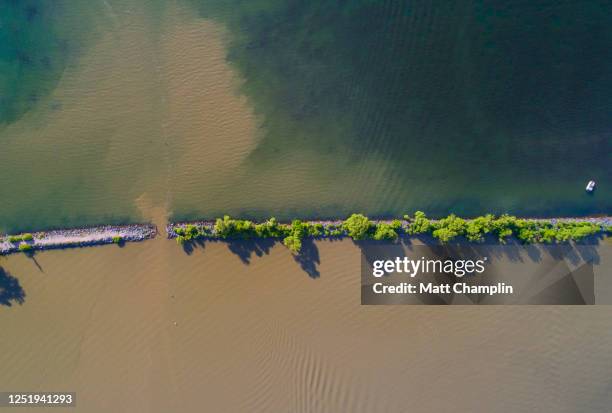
point(359, 227)
point(25, 247)
point(22, 237)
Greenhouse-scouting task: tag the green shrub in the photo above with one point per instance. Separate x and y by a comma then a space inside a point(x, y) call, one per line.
point(270, 229)
point(386, 231)
point(14, 238)
point(546, 235)
point(276, 230)
point(25, 247)
point(298, 228)
point(244, 228)
point(577, 231)
point(503, 226)
point(117, 239)
point(27, 236)
point(527, 235)
point(419, 224)
point(333, 231)
point(293, 243)
point(563, 234)
point(448, 228)
point(396, 224)
point(191, 231)
point(235, 228)
point(188, 232)
point(358, 226)
point(224, 227)
point(296, 232)
point(313, 230)
point(478, 227)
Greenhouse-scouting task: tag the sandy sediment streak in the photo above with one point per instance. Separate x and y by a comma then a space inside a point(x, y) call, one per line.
point(81, 237)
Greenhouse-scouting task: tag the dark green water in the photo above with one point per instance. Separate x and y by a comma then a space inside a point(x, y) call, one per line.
point(25, 70)
point(382, 107)
point(469, 106)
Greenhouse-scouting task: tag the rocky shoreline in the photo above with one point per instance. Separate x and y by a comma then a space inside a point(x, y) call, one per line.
point(76, 237)
point(119, 234)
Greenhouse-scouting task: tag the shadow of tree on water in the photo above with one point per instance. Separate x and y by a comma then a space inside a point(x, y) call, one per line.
point(190, 247)
point(245, 249)
point(10, 289)
point(309, 258)
point(514, 250)
point(32, 256)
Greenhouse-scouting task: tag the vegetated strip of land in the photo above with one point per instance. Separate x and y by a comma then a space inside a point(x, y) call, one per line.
point(360, 227)
point(357, 227)
point(76, 237)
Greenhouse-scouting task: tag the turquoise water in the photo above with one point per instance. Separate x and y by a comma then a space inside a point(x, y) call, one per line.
point(36, 43)
point(382, 107)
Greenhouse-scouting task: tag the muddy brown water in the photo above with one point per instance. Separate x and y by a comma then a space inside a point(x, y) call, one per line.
point(151, 328)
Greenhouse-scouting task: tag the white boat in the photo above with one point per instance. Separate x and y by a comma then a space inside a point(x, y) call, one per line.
point(590, 186)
